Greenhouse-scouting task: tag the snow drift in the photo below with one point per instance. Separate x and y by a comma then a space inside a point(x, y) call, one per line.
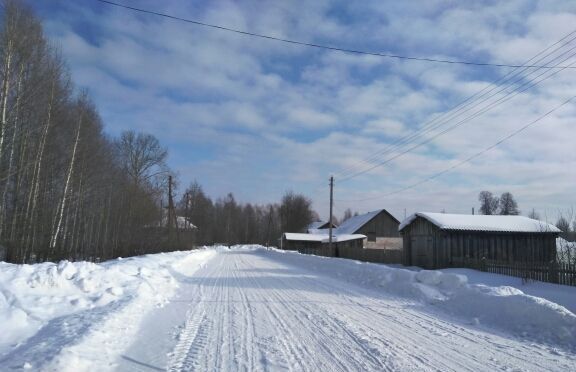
point(45, 308)
point(502, 308)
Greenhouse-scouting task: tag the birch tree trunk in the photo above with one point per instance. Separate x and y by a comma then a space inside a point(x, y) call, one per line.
point(37, 169)
point(9, 171)
point(60, 214)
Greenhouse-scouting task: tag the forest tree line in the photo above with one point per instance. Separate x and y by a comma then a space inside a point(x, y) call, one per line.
point(66, 189)
point(69, 191)
point(225, 221)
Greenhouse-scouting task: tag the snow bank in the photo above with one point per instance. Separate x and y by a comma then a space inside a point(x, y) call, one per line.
point(47, 307)
point(504, 308)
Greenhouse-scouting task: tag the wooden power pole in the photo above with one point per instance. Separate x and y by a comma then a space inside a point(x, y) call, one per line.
point(330, 221)
point(269, 226)
point(172, 219)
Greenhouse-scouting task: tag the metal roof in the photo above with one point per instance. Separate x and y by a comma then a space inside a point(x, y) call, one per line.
point(323, 238)
point(494, 223)
point(353, 224)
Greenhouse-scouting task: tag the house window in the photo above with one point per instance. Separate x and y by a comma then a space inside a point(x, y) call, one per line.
point(371, 236)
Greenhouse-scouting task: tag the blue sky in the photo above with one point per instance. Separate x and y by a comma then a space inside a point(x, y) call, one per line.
point(257, 117)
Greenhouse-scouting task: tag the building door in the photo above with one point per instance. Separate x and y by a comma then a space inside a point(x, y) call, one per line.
point(421, 251)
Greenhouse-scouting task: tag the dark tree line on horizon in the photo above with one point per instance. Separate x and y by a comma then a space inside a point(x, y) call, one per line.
point(225, 221)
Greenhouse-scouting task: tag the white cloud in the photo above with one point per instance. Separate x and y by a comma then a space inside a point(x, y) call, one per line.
point(278, 116)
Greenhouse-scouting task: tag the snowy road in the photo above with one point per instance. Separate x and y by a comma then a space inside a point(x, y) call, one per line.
point(250, 310)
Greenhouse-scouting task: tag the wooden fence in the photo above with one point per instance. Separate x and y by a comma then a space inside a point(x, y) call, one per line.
point(385, 256)
point(559, 273)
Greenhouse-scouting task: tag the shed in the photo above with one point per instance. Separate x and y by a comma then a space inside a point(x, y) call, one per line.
point(436, 240)
point(318, 243)
point(380, 227)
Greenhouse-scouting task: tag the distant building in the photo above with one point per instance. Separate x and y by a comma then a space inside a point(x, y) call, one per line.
point(319, 225)
point(319, 243)
point(379, 226)
point(159, 234)
point(375, 224)
point(370, 237)
point(436, 240)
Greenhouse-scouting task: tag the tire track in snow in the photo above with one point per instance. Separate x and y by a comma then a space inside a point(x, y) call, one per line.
point(261, 314)
point(332, 327)
point(194, 335)
point(427, 325)
point(420, 348)
point(189, 340)
point(414, 328)
point(294, 353)
point(319, 336)
point(247, 331)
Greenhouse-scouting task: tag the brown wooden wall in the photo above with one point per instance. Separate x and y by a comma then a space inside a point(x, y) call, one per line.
point(352, 249)
point(427, 246)
point(295, 245)
point(382, 225)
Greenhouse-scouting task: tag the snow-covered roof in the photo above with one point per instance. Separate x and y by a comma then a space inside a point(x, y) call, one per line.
point(323, 238)
point(351, 225)
point(321, 231)
point(496, 223)
point(181, 221)
point(315, 225)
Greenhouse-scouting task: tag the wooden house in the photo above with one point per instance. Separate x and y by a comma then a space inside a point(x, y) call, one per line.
point(436, 240)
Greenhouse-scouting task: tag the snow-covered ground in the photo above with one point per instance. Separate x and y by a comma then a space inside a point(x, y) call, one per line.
point(82, 313)
point(560, 294)
point(254, 309)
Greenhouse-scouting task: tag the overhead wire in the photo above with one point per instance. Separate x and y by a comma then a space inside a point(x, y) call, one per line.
point(315, 45)
point(470, 158)
point(522, 88)
point(457, 110)
point(557, 67)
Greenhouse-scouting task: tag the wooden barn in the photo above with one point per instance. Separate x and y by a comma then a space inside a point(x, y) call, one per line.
point(437, 240)
point(380, 227)
point(318, 243)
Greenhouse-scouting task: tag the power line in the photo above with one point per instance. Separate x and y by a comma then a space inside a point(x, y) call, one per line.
point(472, 102)
point(436, 175)
point(527, 85)
point(459, 111)
point(320, 46)
point(468, 104)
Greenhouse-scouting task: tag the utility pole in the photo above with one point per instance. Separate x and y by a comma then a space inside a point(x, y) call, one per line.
point(330, 220)
point(269, 225)
point(187, 213)
point(172, 220)
point(169, 214)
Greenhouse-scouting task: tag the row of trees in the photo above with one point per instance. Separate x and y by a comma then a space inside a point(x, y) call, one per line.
point(66, 189)
point(564, 225)
point(226, 221)
point(503, 205)
point(506, 205)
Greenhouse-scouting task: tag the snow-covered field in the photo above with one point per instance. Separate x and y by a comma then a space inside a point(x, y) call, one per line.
point(255, 309)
